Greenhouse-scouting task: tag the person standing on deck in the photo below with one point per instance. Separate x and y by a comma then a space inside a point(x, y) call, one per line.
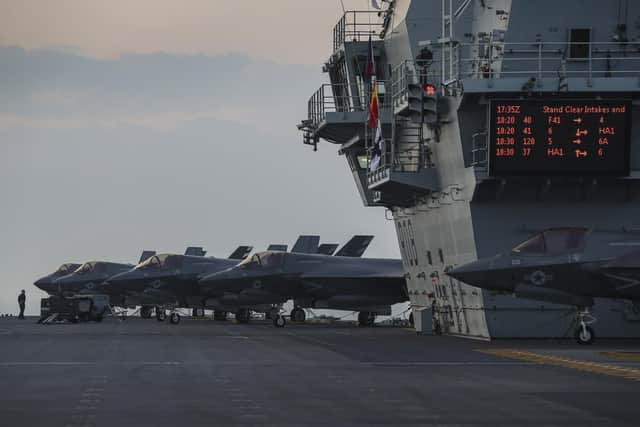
point(21, 302)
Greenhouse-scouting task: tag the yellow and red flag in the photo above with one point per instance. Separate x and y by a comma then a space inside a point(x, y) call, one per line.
point(374, 108)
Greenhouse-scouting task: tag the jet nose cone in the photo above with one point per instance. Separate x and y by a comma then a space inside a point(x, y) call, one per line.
point(43, 283)
point(214, 279)
point(210, 278)
point(473, 273)
point(117, 280)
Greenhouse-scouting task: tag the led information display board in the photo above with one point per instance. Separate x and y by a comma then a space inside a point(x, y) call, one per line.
point(557, 137)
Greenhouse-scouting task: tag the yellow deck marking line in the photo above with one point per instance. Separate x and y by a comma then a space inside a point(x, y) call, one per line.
point(580, 365)
point(623, 355)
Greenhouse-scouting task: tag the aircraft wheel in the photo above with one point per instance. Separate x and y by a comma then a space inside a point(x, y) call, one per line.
point(279, 321)
point(585, 335)
point(161, 315)
point(242, 315)
point(362, 318)
point(145, 312)
point(174, 319)
point(298, 315)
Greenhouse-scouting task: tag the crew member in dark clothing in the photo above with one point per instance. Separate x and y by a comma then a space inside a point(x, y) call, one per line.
point(21, 300)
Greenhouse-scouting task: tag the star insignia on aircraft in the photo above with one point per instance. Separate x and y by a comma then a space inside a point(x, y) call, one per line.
point(539, 278)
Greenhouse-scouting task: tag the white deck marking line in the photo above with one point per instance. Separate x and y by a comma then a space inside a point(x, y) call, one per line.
point(218, 363)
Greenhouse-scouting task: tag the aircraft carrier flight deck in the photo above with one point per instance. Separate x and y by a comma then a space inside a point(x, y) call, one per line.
point(202, 372)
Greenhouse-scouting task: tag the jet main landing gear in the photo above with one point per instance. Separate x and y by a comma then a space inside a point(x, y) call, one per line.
point(220, 315)
point(145, 312)
point(243, 315)
point(366, 318)
point(298, 315)
point(161, 314)
point(584, 333)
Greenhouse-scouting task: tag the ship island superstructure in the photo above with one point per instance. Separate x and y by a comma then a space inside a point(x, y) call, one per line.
point(500, 118)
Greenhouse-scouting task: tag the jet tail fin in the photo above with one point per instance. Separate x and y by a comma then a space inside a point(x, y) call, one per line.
point(146, 255)
point(279, 248)
point(355, 247)
point(195, 251)
point(241, 252)
point(327, 248)
point(306, 245)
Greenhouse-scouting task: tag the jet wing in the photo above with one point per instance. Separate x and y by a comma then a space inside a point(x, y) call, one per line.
point(146, 255)
point(241, 252)
point(279, 248)
point(327, 248)
point(195, 251)
point(306, 245)
point(355, 247)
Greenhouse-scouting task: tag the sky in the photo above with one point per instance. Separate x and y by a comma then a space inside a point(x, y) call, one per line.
point(159, 125)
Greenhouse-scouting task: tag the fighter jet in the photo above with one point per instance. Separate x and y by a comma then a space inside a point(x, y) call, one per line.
point(565, 266)
point(71, 279)
point(88, 277)
point(169, 280)
point(369, 286)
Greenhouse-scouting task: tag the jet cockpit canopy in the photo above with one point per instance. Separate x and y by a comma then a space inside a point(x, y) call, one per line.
point(161, 262)
point(554, 241)
point(65, 269)
point(86, 268)
point(264, 259)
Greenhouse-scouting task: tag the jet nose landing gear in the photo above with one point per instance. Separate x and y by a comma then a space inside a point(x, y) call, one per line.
point(161, 314)
point(174, 318)
point(584, 333)
point(279, 321)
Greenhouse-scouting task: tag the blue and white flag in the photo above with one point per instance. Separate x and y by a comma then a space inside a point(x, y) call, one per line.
point(376, 152)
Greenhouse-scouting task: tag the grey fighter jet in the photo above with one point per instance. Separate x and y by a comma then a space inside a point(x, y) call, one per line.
point(87, 278)
point(370, 286)
point(169, 280)
point(71, 279)
point(564, 266)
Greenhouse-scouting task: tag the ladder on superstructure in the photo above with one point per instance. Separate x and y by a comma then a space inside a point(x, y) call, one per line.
point(448, 46)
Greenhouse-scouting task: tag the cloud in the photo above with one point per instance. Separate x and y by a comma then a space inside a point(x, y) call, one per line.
point(284, 31)
point(57, 89)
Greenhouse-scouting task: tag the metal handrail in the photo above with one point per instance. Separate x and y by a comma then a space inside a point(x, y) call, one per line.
point(349, 98)
point(357, 25)
point(411, 72)
point(542, 59)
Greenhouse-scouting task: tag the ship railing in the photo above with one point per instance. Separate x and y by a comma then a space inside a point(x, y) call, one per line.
point(342, 98)
point(405, 158)
point(412, 72)
point(541, 59)
point(357, 25)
